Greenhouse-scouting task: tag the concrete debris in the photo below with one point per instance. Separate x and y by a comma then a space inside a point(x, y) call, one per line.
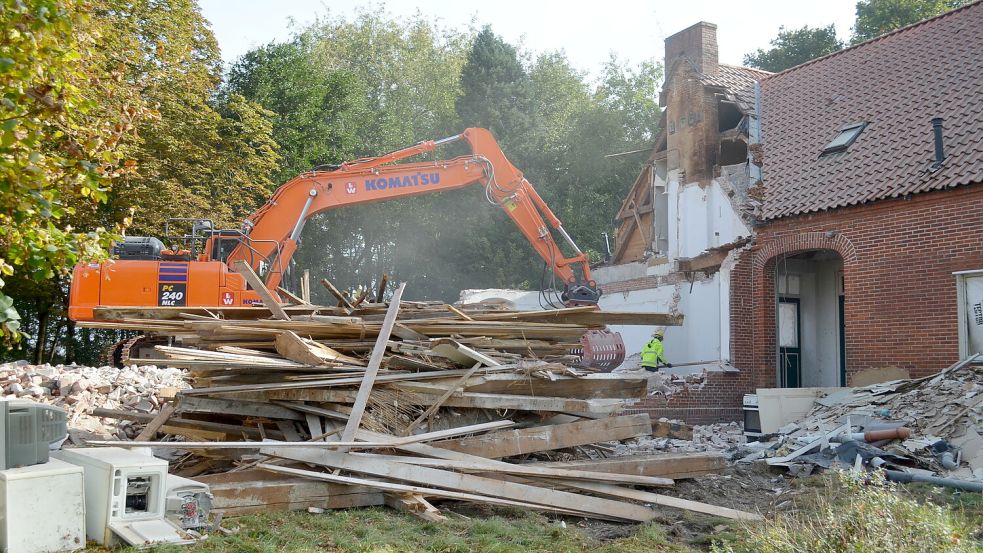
point(665, 382)
point(725, 438)
point(932, 426)
point(79, 389)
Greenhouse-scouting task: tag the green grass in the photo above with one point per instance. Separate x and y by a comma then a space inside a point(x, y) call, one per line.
point(831, 513)
point(384, 530)
point(860, 513)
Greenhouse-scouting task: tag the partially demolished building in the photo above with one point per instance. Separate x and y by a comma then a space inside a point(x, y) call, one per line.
point(816, 225)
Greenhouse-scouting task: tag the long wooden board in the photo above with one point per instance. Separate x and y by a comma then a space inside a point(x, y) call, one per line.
point(591, 386)
point(507, 443)
point(528, 470)
point(258, 491)
point(375, 361)
point(595, 487)
point(194, 404)
point(668, 501)
point(467, 483)
point(393, 487)
point(257, 284)
point(668, 465)
point(481, 401)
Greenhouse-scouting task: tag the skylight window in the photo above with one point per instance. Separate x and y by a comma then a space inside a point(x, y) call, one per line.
point(843, 140)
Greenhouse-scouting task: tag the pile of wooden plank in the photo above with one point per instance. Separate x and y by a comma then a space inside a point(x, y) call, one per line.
point(398, 403)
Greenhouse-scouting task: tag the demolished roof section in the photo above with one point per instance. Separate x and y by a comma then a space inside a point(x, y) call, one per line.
point(896, 84)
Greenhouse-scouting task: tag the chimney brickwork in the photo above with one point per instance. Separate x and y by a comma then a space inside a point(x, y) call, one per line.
point(691, 111)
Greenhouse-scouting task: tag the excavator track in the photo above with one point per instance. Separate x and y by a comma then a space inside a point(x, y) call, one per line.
point(118, 355)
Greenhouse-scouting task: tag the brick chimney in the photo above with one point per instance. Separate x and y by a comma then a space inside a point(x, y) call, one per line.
point(698, 44)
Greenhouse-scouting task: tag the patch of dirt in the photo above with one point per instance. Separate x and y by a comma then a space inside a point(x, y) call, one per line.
point(748, 487)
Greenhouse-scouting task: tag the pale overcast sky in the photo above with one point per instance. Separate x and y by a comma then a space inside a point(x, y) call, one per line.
point(587, 31)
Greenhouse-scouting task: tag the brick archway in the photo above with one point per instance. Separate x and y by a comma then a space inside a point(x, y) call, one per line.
point(753, 340)
point(798, 243)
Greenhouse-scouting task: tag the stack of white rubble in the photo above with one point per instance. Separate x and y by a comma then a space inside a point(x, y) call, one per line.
point(79, 389)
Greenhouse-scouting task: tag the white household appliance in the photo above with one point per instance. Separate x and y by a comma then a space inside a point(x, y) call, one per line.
point(752, 418)
point(42, 508)
point(188, 503)
point(124, 497)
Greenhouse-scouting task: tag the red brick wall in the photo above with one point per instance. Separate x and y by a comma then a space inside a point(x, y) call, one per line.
point(711, 402)
point(900, 294)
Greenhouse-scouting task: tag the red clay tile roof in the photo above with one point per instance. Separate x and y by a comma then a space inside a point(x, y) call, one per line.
point(896, 84)
point(739, 81)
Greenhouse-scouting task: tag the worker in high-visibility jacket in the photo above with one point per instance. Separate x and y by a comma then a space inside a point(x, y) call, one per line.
point(654, 353)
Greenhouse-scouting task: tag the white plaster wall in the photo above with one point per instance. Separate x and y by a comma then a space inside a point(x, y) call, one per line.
point(827, 330)
point(652, 300)
point(727, 225)
point(520, 300)
point(699, 338)
point(693, 223)
point(700, 218)
point(705, 332)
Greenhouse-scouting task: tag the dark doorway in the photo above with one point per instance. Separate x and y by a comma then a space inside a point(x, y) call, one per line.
point(789, 342)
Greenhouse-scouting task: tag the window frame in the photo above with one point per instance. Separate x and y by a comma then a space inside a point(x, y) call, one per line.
point(851, 132)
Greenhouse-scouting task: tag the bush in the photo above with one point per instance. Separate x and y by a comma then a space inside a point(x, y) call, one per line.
point(860, 514)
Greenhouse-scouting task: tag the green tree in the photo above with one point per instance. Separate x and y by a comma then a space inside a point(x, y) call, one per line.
point(876, 17)
point(343, 89)
point(61, 142)
point(496, 90)
point(317, 111)
point(191, 155)
point(202, 157)
point(794, 47)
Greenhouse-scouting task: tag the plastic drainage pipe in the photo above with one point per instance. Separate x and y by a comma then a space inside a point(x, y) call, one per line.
point(905, 478)
point(949, 461)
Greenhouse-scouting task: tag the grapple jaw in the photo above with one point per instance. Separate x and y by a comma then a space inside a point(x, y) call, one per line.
point(601, 350)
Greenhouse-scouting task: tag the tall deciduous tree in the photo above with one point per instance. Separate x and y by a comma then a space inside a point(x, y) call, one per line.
point(200, 158)
point(876, 17)
point(146, 70)
point(794, 47)
point(60, 139)
point(347, 88)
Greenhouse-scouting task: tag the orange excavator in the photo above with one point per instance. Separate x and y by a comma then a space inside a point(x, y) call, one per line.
point(145, 274)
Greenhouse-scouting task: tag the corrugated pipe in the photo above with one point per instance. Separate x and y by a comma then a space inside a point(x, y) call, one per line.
point(906, 478)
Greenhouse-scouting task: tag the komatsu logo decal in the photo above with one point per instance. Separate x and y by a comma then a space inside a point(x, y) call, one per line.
point(419, 179)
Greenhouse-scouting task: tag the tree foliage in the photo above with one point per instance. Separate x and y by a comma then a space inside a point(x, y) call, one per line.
point(349, 88)
point(794, 47)
point(66, 111)
point(201, 158)
point(133, 122)
point(876, 17)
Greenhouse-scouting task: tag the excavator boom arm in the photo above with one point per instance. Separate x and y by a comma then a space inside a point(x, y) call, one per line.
point(275, 228)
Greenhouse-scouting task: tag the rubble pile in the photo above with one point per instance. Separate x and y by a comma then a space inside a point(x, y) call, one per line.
point(724, 438)
point(665, 383)
point(928, 426)
point(79, 389)
point(369, 403)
